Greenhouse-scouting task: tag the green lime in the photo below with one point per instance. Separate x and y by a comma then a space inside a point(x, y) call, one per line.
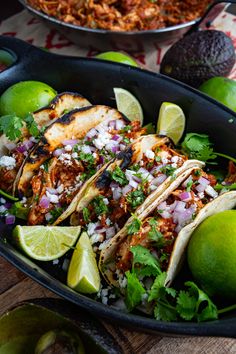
point(221, 89)
point(171, 121)
point(83, 275)
point(25, 97)
point(212, 255)
point(117, 57)
point(45, 243)
point(128, 104)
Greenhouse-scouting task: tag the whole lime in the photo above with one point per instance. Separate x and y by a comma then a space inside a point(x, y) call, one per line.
point(117, 57)
point(25, 97)
point(221, 89)
point(212, 255)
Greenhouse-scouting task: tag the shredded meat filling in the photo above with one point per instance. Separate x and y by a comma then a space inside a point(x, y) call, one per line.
point(123, 15)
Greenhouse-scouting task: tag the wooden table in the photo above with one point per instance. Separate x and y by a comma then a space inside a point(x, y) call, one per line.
point(16, 287)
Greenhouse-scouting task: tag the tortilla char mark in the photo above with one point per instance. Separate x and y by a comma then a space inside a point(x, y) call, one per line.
point(72, 125)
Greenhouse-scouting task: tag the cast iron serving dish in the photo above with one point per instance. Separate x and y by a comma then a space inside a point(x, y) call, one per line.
point(95, 80)
point(100, 39)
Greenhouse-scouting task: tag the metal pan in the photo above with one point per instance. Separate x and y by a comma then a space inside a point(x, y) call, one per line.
point(99, 39)
point(95, 80)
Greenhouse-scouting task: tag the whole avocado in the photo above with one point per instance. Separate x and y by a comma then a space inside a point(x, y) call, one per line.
point(198, 57)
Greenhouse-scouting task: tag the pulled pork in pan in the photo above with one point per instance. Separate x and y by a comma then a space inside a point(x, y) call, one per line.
point(122, 15)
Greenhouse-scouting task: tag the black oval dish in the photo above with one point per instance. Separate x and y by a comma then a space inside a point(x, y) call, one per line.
point(95, 80)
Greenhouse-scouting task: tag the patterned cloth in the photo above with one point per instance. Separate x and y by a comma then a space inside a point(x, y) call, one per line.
point(24, 26)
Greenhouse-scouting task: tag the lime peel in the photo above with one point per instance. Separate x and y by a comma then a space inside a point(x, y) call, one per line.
point(83, 274)
point(128, 104)
point(171, 121)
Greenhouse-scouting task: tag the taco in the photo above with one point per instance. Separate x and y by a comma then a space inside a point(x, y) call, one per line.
point(136, 178)
point(13, 154)
point(72, 152)
point(164, 228)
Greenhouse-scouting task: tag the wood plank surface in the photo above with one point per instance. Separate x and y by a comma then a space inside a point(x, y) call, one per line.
point(16, 287)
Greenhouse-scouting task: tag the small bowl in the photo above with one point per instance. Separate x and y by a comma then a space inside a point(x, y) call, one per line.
point(23, 325)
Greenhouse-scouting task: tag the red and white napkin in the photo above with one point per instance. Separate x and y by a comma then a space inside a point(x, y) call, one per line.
point(24, 26)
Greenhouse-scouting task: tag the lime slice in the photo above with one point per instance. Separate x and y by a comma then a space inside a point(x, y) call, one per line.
point(46, 243)
point(171, 121)
point(128, 104)
point(83, 275)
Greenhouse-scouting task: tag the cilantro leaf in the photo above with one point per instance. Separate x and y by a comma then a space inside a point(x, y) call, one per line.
point(163, 312)
point(119, 176)
point(134, 226)
point(19, 211)
point(168, 170)
point(86, 158)
point(143, 256)
point(11, 125)
point(157, 286)
point(198, 146)
point(186, 305)
point(135, 198)
point(32, 126)
point(86, 214)
point(99, 206)
point(229, 187)
point(134, 291)
point(205, 308)
point(154, 234)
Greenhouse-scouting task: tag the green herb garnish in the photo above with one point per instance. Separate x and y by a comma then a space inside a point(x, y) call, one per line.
point(99, 206)
point(119, 176)
point(135, 198)
point(134, 226)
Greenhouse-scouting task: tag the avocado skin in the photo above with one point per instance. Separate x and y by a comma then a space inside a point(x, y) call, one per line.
point(198, 57)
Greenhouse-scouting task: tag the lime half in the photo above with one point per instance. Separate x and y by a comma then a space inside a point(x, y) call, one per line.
point(46, 243)
point(171, 121)
point(83, 275)
point(128, 105)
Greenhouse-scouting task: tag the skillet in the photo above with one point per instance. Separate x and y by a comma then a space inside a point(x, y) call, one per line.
point(95, 80)
point(102, 40)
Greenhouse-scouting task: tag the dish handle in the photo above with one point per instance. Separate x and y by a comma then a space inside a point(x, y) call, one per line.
point(19, 50)
point(212, 12)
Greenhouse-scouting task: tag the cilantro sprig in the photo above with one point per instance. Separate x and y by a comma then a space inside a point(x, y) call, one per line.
point(168, 304)
point(198, 146)
point(11, 126)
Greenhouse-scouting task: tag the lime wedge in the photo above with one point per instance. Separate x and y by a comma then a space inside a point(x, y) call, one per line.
point(128, 104)
point(171, 121)
point(46, 243)
point(83, 275)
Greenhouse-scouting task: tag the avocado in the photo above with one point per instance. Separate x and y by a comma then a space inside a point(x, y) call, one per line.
point(198, 57)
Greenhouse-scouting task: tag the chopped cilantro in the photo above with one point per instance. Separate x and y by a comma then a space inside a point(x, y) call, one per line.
point(134, 226)
point(126, 140)
point(134, 167)
point(155, 235)
point(46, 165)
point(126, 129)
point(99, 206)
point(229, 187)
point(88, 159)
point(135, 198)
point(86, 215)
point(189, 186)
point(55, 213)
point(119, 176)
point(168, 170)
point(19, 211)
point(158, 158)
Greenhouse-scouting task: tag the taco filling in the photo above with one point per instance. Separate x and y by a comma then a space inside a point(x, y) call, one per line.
point(126, 190)
point(60, 178)
point(158, 232)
